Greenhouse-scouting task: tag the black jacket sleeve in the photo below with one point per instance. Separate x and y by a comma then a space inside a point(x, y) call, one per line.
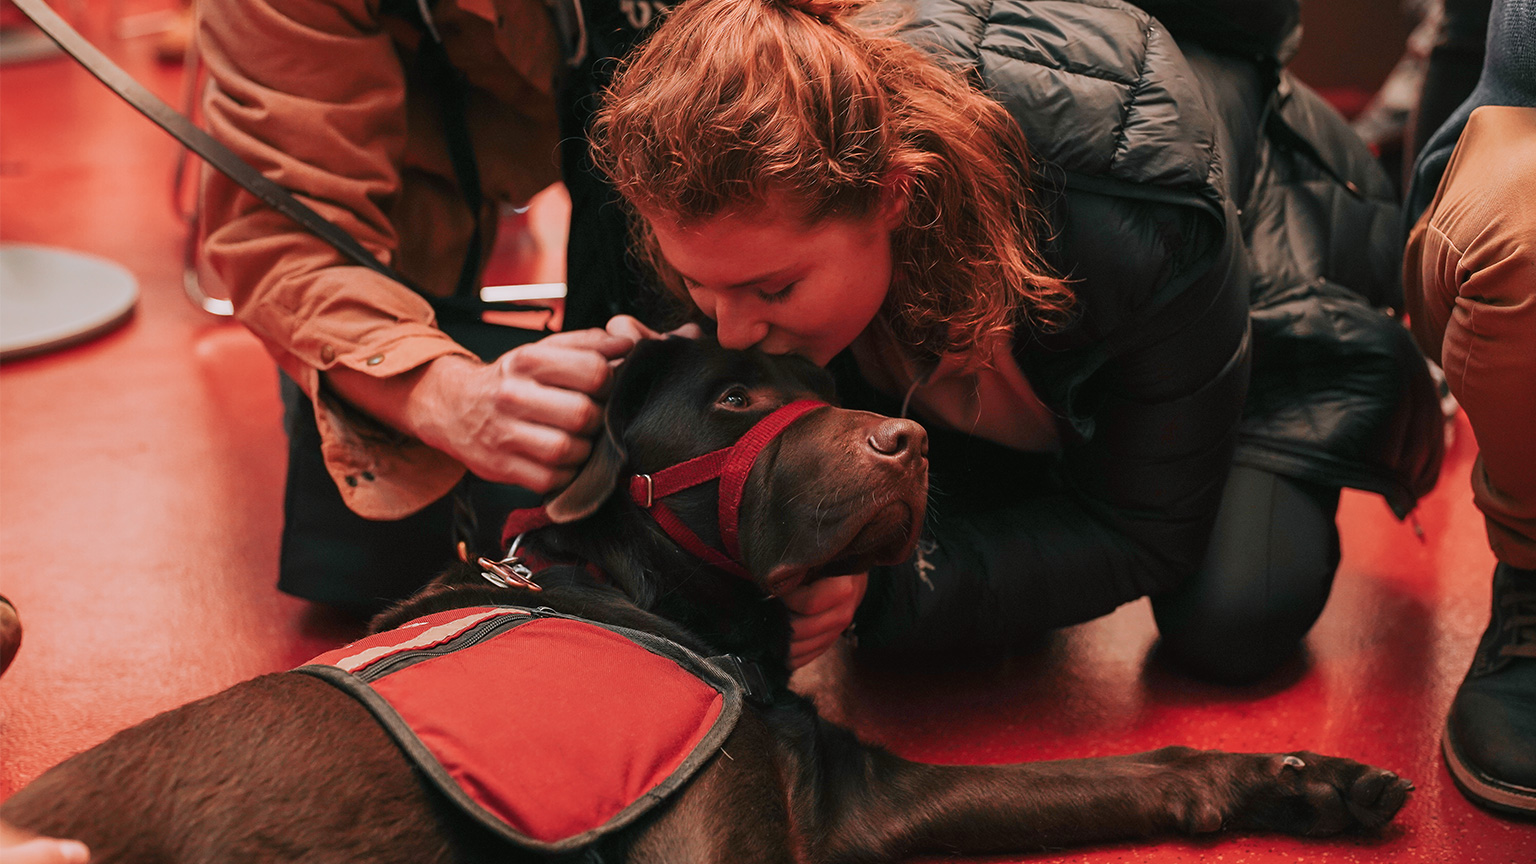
point(1151, 382)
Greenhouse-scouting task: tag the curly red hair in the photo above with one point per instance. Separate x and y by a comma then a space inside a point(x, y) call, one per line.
point(735, 102)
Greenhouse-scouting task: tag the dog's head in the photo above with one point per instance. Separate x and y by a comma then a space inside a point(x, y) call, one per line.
point(838, 491)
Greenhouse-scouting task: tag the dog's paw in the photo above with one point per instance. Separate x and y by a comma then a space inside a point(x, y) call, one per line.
point(1314, 795)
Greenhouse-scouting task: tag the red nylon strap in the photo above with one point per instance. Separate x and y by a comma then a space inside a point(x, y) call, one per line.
point(647, 489)
point(738, 464)
point(683, 536)
point(523, 521)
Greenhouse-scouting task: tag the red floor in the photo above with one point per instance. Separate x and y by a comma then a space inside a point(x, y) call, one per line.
point(140, 484)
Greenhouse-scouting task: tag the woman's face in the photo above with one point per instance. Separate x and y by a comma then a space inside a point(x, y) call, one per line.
point(772, 282)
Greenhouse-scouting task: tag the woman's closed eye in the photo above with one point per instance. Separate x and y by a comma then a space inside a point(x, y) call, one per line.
point(778, 295)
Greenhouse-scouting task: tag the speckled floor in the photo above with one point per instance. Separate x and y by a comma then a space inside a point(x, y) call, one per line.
point(140, 494)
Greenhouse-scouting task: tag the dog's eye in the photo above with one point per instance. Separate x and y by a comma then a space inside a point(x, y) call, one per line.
point(736, 397)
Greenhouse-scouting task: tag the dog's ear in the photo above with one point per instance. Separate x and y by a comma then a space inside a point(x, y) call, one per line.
point(595, 483)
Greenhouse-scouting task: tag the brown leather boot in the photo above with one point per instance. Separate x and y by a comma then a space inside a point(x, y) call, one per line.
point(1490, 735)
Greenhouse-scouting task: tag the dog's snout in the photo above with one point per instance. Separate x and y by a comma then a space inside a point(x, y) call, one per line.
point(899, 439)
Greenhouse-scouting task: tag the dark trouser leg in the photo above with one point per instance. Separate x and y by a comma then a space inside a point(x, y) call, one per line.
point(1455, 62)
point(334, 556)
point(1263, 583)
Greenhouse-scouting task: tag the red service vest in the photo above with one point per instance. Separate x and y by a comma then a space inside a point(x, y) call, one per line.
point(550, 730)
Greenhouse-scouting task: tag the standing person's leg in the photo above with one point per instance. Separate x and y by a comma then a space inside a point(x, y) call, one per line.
point(1470, 287)
point(1486, 332)
point(1264, 581)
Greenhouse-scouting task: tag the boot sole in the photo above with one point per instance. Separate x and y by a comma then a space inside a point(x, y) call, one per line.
point(1484, 790)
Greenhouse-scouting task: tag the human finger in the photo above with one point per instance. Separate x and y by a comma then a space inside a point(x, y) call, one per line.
point(530, 401)
point(690, 330)
point(515, 470)
point(630, 327)
point(46, 850)
point(821, 595)
point(802, 653)
point(543, 445)
point(558, 365)
point(596, 339)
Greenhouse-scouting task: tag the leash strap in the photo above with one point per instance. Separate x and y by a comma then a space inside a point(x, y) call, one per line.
point(197, 140)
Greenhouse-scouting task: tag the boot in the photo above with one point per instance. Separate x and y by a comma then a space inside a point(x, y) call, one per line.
point(1490, 735)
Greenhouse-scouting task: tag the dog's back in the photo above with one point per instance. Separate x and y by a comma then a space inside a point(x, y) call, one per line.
point(279, 767)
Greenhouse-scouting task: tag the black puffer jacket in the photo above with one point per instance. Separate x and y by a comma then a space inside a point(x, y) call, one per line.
point(1194, 194)
point(1196, 197)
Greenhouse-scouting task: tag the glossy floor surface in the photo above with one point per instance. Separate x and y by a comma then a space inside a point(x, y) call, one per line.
point(140, 492)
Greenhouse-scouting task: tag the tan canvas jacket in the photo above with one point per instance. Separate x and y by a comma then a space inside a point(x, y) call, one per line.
point(317, 94)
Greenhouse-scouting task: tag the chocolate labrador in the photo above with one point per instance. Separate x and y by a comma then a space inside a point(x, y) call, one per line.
point(288, 767)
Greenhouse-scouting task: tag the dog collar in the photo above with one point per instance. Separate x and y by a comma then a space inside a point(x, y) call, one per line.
point(730, 465)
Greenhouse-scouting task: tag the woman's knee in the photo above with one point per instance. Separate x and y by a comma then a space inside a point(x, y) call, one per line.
point(1264, 580)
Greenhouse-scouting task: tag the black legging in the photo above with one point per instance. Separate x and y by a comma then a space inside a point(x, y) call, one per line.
point(1264, 581)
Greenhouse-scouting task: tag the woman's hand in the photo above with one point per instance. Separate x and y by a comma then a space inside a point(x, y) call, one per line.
point(21, 847)
point(820, 612)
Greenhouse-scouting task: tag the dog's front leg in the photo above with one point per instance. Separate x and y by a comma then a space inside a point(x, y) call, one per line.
point(873, 806)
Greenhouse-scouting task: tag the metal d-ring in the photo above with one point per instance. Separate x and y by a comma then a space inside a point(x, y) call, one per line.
point(510, 571)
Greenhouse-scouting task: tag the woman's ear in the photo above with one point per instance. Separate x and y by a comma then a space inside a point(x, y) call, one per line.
point(895, 197)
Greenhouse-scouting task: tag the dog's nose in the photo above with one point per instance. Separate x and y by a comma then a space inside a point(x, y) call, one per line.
point(899, 439)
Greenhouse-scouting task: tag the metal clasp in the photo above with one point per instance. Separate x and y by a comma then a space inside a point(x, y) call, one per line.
point(650, 491)
point(510, 571)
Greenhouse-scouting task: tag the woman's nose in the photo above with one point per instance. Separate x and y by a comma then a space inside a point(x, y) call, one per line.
point(736, 327)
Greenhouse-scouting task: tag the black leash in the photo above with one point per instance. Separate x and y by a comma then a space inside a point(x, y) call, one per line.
point(197, 140)
point(452, 90)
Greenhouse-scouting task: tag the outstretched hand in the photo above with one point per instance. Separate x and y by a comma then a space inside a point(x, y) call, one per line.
point(526, 419)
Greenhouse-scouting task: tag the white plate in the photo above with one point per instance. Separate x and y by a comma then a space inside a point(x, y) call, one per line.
point(50, 298)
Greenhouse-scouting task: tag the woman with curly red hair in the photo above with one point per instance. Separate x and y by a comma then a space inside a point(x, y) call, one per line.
point(1066, 242)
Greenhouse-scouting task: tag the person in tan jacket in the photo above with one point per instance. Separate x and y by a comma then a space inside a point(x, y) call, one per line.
point(331, 99)
point(1470, 286)
point(388, 409)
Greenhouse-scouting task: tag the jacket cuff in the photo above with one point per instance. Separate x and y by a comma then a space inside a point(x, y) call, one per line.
point(381, 473)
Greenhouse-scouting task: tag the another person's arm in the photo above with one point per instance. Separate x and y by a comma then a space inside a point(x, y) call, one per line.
point(313, 94)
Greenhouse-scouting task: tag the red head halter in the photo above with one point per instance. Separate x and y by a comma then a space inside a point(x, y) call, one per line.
point(730, 465)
